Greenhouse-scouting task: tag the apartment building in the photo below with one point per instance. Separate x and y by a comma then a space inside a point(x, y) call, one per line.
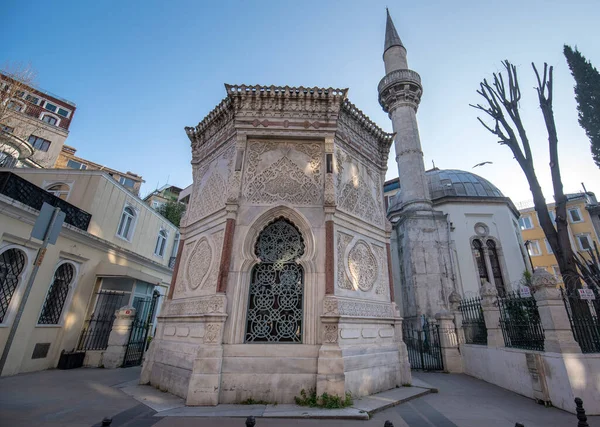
point(583, 220)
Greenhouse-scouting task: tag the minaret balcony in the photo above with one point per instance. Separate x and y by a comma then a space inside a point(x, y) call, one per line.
point(400, 87)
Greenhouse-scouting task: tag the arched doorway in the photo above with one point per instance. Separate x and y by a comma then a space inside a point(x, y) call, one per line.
point(276, 292)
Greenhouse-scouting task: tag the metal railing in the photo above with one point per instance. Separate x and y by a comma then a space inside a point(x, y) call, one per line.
point(96, 330)
point(29, 194)
point(520, 322)
point(584, 319)
point(473, 322)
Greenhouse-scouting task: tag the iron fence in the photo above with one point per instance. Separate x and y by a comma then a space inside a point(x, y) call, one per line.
point(473, 322)
point(584, 319)
point(23, 191)
point(96, 330)
point(520, 322)
point(423, 346)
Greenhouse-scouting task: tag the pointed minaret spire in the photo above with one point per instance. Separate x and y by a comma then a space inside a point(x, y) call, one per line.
point(391, 35)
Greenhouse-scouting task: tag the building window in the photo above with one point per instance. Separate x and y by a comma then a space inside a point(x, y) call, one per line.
point(534, 248)
point(39, 143)
point(76, 165)
point(525, 222)
point(175, 245)
point(7, 129)
point(480, 260)
point(496, 269)
point(575, 215)
point(33, 99)
point(161, 243)
point(127, 182)
point(127, 223)
point(63, 112)
point(276, 291)
point(57, 294)
point(552, 215)
point(584, 241)
point(16, 105)
point(548, 247)
point(7, 160)
point(50, 107)
point(60, 190)
point(12, 264)
point(49, 119)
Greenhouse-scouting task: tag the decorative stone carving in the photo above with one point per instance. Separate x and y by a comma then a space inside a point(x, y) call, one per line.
point(199, 263)
point(355, 195)
point(214, 304)
point(330, 334)
point(363, 266)
point(382, 287)
point(343, 240)
point(210, 189)
point(330, 307)
point(275, 173)
point(212, 332)
point(364, 309)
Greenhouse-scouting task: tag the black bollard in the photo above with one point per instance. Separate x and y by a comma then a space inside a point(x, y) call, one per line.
point(106, 421)
point(250, 422)
point(388, 423)
point(581, 413)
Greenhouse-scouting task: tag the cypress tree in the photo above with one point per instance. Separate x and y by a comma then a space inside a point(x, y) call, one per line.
point(587, 95)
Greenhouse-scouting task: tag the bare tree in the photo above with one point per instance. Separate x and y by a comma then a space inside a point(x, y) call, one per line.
point(502, 105)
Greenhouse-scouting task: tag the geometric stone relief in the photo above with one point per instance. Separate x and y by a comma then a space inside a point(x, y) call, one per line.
point(343, 240)
point(210, 185)
point(330, 333)
point(358, 189)
point(356, 308)
point(363, 266)
point(381, 288)
point(199, 263)
point(215, 304)
point(281, 171)
point(212, 332)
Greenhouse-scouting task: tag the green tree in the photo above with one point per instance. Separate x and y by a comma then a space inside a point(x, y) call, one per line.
point(587, 95)
point(173, 211)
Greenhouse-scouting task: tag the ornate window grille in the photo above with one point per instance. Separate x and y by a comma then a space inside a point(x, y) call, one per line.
point(480, 259)
point(57, 294)
point(277, 287)
point(12, 263)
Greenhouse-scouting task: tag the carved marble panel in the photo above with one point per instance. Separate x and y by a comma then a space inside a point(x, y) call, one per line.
point(210, 187)
point(356, 308)
point(343, 240)
point(196, 307)
point(382, 287)
point(363, 266)
point(359, 189)
point(283, 172)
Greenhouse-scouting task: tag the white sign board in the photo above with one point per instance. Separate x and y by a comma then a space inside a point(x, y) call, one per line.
point(586, 294)
point(524, 292)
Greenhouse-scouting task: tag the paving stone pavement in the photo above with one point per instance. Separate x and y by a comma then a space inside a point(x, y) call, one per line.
point(82, 397)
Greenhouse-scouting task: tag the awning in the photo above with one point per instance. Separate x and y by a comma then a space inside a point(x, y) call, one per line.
point(106, 269)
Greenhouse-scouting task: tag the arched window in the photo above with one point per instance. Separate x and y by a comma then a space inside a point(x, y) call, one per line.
point(7, 160)
point(126, 224)
point(496, 269)
point(51, 120)
point(277, 286)
point(480, 260)
point(12, 264)
point(60, 190)
point(57, 294)
point(161, 243)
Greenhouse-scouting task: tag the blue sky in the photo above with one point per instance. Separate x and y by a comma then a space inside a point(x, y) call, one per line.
point(139, 71)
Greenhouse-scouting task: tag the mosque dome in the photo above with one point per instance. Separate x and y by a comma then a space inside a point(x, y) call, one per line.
point(458, 183)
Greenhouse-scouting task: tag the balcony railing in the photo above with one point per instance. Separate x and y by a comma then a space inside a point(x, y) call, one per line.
point(23, 191)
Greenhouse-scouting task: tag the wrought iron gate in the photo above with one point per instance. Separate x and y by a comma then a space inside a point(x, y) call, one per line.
point(144, 313)
point(96, 330)
point(423, 345)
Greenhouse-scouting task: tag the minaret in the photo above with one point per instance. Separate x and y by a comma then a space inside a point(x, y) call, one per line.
point(421, 261)
point(399, 95)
